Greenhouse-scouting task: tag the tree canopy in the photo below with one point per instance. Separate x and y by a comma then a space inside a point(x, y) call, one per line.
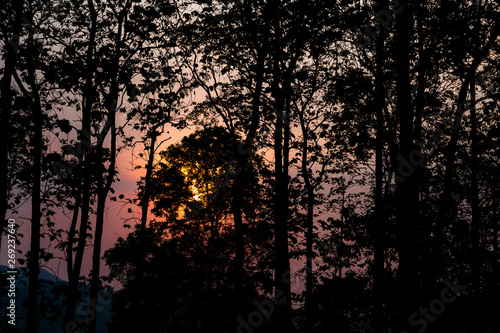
point(334, 167)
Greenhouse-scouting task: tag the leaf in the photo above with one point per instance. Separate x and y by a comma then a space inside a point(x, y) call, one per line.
point(64, 125)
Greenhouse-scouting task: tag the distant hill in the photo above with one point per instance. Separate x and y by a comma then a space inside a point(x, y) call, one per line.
point(50, 302)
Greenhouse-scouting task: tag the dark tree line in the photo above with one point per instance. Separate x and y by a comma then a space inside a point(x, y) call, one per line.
point(356, 139)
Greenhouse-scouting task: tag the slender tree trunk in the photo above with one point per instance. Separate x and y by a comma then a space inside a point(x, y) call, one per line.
point(282, 273)
point(69, 250)
point(429, 282)
point(103, 188)
point(10, 46)
point(73, 279)
point(340, 252)
point(242, 163)
point(72, 230)
point(145, 207)
point(284, 210)
point(496, 245)
point(146, 199)
point(37, 143)
point(145, 203)
point(408, 201)
point(379, 225)
point(238, 229)
point(242, 159)
point(309, 225)
point(87, 172)
point(282, 318)
point(476, 258)
point(147, 182)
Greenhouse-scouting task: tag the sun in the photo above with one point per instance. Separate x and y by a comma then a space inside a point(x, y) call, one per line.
point(193, 188)
point(196, 193)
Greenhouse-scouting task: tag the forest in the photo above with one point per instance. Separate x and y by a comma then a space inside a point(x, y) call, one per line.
point(250, 166)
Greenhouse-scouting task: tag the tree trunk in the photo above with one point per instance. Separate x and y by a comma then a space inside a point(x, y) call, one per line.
point(147, 182)
point(37, 143)
point(103, 187)
point(242, 158)
point(238, 229)
point(408, 201)
point(476, 259)
point(103, 190)
point(72, 230)
point(379, 225)
point(87, 172)
point(308, 225)
point(282, 318)
point(6, 96)
point(282, 273)
point(496, 245)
